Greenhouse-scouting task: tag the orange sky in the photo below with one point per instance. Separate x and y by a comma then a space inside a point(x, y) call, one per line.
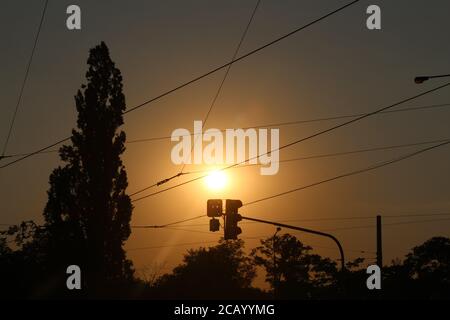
point(335, 68)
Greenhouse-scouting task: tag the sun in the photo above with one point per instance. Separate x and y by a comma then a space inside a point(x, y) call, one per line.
point(216, 180)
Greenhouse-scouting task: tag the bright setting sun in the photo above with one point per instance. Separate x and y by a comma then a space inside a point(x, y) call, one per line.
point(216, 180)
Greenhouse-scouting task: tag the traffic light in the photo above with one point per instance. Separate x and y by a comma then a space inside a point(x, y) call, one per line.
point(214, 208)
point(232, 217)
point(214, 225)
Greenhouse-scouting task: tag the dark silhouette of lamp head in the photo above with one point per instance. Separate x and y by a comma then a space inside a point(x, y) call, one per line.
point(421, 79)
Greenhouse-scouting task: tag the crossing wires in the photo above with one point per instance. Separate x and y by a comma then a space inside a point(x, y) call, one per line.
point(225, 76)
point(185, 84)
point(373, 167)
point(319, 133)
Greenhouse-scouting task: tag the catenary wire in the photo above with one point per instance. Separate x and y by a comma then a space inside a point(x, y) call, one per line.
point(200, 77)
point(278, 124)
point(370, 168)
point(303, 139)
point(224, 78)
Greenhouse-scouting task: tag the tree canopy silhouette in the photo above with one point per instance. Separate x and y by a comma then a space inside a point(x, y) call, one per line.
point(88, 212)
point(222, 271)
point(429, 266)
point(291, 269)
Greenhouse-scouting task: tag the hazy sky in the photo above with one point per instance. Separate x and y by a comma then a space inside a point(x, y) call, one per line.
point(336, 67)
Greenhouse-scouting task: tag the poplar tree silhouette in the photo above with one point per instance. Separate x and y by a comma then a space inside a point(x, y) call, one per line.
point(88, 212)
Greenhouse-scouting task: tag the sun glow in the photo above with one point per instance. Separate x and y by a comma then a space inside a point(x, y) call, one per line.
point(216, 180)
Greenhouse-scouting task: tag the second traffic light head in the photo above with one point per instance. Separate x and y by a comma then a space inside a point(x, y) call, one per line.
point(232, 206)
point(231, 229)
point(232, 217)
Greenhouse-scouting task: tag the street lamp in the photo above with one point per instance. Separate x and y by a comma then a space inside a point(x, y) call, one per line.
point(422, 79)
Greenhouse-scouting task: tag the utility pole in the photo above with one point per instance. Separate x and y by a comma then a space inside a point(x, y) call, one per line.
point(379, 243)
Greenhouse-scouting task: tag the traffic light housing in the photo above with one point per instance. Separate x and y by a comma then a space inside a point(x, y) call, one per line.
point(232, 217)
point(214, 225)
point(214, 208)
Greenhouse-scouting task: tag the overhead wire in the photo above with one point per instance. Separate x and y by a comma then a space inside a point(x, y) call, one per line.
point(222, 82)
point(319, 133)
point(278, 124)
point(323, 17)
point(304, 121)
point(24, 81)
point(370, 168)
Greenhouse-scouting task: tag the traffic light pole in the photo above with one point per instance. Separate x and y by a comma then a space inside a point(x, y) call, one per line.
point(341, 251)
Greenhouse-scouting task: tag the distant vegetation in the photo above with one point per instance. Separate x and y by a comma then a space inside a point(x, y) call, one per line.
point(224, 271)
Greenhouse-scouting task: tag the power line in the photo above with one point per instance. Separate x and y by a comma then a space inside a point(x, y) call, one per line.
point(246, 55)
point(191, 230)
point(373, 167)
point(298, 159)
point(14, 155)
point(168, 224)
point(189, 244)
point(327, 155)
point(303, 158)
point(27, 72)
point(335, 219)
point(388, 224)
point(335, 229)
point(35, 152)
point(225, 76)
point(244, 238)
point(413, 222)
point(254, 238)
point(157, 183)
point(281, 124)
point(202, 76)
point(313, 246)
point(396, 216)
point(144, 189)
point(385, 224)
point(259, 237)
point(415, 215)
point(172, 245)
point(278, 124)
point(304, 139)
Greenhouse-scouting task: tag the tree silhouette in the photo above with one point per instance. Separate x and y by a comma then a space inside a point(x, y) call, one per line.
point(88, 213)
point(429, 266)
point(292, 271)
point(24, 271)
point(219, 272)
